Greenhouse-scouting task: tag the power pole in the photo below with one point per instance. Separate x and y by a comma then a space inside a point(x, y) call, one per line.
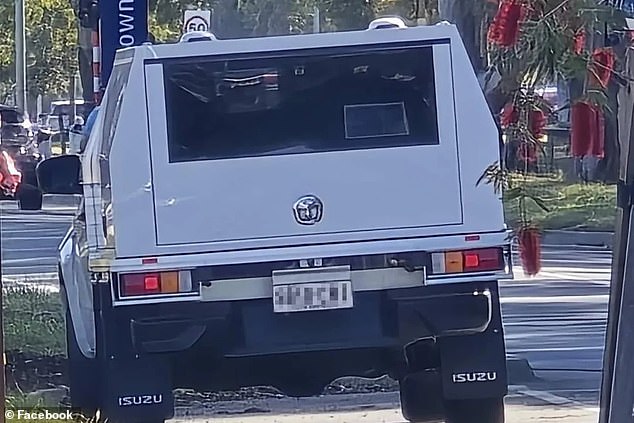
point(20, 57)
point(617, 387)
point(316, 20)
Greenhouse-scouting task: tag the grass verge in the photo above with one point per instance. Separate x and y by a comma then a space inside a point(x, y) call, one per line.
point(589, 207)
point(35, 344)
point(33, 322)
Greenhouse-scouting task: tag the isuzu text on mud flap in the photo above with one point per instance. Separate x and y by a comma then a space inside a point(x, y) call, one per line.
point(286, 211)
point(474, 377)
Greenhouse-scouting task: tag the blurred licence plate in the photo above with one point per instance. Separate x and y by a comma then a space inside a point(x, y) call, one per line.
point(312, 296)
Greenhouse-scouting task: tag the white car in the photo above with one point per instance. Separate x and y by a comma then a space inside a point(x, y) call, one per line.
point(286, 211)
point(62, 108)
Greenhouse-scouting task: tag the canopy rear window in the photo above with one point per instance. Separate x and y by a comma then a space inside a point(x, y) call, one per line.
point(221, 108)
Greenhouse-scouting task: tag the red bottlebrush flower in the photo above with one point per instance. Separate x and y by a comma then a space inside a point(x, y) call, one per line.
point(587, 135)
point(529, 241)
point(537, 123)
point(527, 152)
point(505, 29)
point(493, 35)
point(509, 115)
point(602, 65)
point(580, 132)
point(579, 43)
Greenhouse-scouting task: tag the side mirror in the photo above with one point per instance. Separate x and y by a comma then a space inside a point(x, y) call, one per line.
point(60, 175)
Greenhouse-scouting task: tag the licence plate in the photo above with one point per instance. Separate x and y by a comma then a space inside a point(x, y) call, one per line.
point(312, 296)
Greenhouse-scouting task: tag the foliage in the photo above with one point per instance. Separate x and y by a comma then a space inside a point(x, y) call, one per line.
point(33, 321)
point(51, 39)
point(51, 29)
point(587, 207)
point(243, 18)
point(547, 49)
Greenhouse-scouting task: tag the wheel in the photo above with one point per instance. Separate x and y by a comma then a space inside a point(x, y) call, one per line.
point(83, 373)
point(29, 197)
point(421, 397)
point(475, 411)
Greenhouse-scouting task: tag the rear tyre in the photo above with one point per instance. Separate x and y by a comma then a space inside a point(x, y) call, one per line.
point(29, 197)
point(83, 372)
point(475, 411)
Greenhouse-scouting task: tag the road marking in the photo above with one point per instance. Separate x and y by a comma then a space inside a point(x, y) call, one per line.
point(550, 398)
point(548, 349)
point(601, 298)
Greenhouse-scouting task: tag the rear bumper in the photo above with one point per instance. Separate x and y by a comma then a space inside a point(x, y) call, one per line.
point(379, 319)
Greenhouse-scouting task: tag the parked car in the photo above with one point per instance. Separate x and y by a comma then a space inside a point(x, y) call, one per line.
point(63, 108)
point(19, 157)
point(15, 128)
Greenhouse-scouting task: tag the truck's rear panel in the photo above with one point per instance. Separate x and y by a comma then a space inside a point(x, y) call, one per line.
point(305, 140)
point(370, 134)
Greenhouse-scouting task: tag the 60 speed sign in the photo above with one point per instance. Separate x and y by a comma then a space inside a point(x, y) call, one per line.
point(197, 20)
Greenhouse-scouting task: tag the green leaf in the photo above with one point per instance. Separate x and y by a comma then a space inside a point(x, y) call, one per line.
point(540, 203)
point(513, 194)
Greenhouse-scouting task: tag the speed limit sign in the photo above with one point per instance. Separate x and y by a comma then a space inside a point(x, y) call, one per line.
point(197, 20)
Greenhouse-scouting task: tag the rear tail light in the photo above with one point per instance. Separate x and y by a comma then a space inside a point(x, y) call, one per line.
point(157, 283)
point(468, 261)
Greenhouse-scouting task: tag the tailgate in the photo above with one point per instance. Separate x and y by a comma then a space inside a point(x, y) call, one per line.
point(290, 147)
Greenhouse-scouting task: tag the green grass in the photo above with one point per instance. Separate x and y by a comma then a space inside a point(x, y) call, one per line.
point(33, 322)
point(33, 325)
point(590, 207)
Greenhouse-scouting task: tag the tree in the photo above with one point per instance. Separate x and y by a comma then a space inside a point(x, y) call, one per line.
point(244, 18)
point(51, 39)
point(533, 43)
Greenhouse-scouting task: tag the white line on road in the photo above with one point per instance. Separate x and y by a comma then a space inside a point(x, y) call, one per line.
point(551, 349)
point(549, 397)
point(603, 298)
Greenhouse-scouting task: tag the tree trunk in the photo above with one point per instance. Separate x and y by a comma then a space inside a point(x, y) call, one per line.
point(608, 168)
point(468, 18)
point(226, 20)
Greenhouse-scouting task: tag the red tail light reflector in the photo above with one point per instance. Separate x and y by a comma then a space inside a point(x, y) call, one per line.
point(486, 259)
point(471, 261)
point(151, 283)
point(468, 261)
point(140, 284)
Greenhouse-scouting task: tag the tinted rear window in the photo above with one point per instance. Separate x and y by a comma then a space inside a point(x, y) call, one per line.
point(229, 108)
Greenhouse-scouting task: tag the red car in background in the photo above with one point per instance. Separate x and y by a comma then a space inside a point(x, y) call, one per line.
point(19, 157)
point(10, 176)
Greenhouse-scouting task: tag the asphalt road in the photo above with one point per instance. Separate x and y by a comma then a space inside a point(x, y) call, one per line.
point(555, 320)
point(29, 240)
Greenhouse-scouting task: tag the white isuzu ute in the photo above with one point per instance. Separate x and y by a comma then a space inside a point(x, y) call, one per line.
point(287, 211)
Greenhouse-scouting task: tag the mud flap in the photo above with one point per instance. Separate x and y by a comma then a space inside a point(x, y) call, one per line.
point(421, 397)
point(138, 390)
point(474, 366)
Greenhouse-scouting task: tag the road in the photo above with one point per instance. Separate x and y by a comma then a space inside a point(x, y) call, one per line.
point(30, 239)
point(555, 320)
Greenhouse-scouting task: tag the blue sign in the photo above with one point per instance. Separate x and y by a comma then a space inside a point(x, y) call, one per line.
point(124, 23)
